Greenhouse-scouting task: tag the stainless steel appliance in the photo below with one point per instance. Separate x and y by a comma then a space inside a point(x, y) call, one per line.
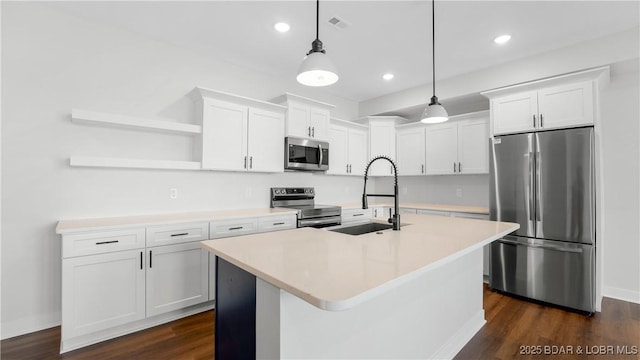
point(545, 182)
point(309, 214)
point(306, 154)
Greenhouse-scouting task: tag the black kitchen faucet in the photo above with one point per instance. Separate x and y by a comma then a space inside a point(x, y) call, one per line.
point(395, 218)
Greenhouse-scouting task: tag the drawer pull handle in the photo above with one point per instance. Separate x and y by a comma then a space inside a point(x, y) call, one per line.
point(278, 223)
point(236, 228)
point(181, 234)
point(354, 215)
point(107, 242)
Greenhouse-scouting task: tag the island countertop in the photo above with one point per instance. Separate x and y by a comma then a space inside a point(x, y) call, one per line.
point(335, 271)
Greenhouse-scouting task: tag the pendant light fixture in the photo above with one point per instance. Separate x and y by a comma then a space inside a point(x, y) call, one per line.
point(316, 68)
point(435, 112)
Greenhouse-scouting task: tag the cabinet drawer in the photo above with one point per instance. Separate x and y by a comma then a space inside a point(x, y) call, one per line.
point(470, 215)
point(176, 234)
point(407, 211)
point(234, 227)
point(356, 215)
point(101, 242)
point(433, 212)
point(275, 223)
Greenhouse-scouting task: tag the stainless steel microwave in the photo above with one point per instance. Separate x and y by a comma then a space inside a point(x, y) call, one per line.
point(305, 154)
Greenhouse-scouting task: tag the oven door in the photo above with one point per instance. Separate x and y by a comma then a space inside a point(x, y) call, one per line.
point(306, 154)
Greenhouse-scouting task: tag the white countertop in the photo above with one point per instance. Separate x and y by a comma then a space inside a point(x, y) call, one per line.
point(422, 206)
point(111, 223)
point(335, 271)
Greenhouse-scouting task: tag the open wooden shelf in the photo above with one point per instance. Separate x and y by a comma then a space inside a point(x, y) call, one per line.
point(88, 161)
point(98, 118)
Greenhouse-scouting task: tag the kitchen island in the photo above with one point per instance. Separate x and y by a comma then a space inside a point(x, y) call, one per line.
point(313, 293)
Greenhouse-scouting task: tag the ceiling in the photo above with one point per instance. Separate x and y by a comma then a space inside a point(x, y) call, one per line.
point(380, 37)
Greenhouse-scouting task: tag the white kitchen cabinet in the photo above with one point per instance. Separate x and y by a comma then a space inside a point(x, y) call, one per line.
point(561, 106)
point(233, 227)
point(177, 277)
point(563, 101)
point(306, 118)
point(348, 148)
point(277, 222)
point(175, 234)
point(432, 212)
point(102, 291)
point(410, 148)
point(355, 215)
point(382, 212)
point(458, 147)
point(382, 141)
point(240, 134)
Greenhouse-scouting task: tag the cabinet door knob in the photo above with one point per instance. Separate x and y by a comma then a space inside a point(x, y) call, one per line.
point(313, 131)
point(454, 167)
point(245, 162)
point(459, 167)
point(250, 162)
point(309, 131)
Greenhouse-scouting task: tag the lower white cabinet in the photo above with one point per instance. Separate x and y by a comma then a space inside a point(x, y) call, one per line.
point(177, 277)
point(102, 291)
point(354, 215)
point(233, 227)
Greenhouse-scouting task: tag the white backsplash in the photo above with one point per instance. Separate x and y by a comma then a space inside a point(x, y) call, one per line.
point(440, 189)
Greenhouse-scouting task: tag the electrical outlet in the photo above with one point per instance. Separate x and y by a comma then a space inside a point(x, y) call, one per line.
point(173, 193)
point(459, 192)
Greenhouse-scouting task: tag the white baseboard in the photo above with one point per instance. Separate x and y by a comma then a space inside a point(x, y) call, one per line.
point(461, 338)
point(621, 294)
point(22, 326)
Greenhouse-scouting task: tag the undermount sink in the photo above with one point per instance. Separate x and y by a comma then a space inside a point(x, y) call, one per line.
point(362, 228)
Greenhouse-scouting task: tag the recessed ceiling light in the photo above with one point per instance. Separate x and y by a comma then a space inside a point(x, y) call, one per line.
point(387, 76)
point(282, 27)
point(502, 39)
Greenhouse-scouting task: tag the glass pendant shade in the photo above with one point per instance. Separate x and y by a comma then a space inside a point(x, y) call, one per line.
point(317, 70)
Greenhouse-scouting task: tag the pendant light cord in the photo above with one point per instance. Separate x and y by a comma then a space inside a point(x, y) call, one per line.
point(317, 19)
point(433, 43)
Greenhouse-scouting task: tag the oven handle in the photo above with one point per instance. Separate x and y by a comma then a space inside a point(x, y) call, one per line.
point(323, 221)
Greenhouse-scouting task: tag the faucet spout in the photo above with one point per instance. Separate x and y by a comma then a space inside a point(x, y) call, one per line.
point(395, 218)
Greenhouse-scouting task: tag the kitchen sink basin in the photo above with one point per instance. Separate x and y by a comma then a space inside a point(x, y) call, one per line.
point(362, 228)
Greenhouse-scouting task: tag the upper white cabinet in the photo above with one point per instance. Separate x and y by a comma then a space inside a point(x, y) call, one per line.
point(382, 141)
point(240, 134)
point(460, 146)
point(306, 118)
point(348, 152)
point(411, 149)
point(560, 102)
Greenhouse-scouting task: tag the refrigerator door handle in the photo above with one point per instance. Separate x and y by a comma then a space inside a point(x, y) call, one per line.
point(538, 190)
point(532, 198)
point(549, 247)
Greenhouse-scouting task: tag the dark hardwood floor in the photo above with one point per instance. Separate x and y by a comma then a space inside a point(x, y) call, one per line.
point(515, 329)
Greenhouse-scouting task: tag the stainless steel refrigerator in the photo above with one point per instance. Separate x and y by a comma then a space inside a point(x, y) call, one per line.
point(545, 181)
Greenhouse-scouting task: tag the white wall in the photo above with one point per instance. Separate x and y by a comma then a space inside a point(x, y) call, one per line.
point(53, 62)
point(621, 177)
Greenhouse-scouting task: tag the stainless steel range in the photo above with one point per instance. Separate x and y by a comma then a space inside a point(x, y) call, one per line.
point(302, 199)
